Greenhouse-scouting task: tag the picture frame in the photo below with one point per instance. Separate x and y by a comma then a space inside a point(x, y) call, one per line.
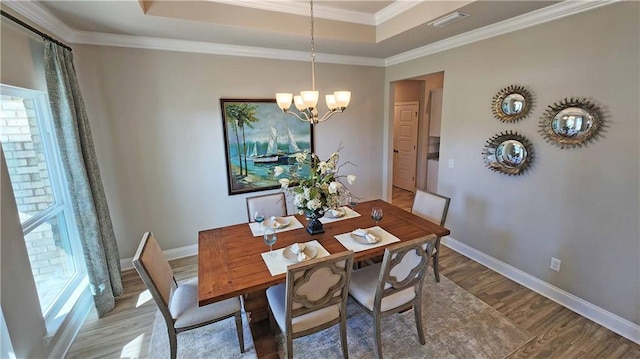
point(258, 136)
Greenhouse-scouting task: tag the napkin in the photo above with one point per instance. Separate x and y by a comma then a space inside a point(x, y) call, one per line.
point(275, 223)
point(336, 213)
point(297, 248)
point(302, 257)
point(360, 232)
point(371, 238)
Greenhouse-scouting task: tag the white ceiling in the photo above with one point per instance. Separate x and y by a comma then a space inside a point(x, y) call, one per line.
point(375, 30)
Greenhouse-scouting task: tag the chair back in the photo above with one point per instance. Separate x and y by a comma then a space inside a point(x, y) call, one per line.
point(431, 206)
point(269, 204)
point(402, 272)
point(156, 273)
point(315, 285)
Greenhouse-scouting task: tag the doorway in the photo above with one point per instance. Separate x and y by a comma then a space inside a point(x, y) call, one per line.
point(424, 166)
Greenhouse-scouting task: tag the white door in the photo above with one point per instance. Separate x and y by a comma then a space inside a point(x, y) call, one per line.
point(405, 144)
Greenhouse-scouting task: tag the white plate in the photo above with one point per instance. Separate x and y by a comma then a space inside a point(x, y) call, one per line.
point(309, 250)
point(363, 239)
point(282, 220)
point(340, 212)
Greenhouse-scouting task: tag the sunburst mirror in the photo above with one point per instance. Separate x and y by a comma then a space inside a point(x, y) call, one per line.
point(512, 103)
point(571, 123)
point(508, 153)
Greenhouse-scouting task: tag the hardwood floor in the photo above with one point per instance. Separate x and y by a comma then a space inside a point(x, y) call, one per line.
point(560, 333)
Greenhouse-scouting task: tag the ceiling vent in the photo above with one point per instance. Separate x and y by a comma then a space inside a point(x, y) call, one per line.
point(448, 19)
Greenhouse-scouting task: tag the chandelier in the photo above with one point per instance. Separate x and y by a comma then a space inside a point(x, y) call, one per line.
point(307, 101)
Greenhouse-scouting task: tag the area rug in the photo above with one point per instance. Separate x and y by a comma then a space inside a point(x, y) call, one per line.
point(457, 325)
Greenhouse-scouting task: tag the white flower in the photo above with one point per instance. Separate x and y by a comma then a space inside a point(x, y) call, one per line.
point(334, 187)
point(333, 160)
point(299, 200)
point(278, 170)
point(314, 204)
point(301, 156)
point(284, 182)
point(323, 167)
point(351, 179)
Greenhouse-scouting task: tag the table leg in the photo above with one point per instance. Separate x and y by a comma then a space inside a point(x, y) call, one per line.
point(257, 308)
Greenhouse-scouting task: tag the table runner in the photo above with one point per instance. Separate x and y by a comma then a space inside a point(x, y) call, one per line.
point(257, 229)
point(384, 236)
point(278, 265)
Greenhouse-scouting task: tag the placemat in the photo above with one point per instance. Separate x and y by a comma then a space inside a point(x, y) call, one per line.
point(278, 265)
point(257, 229)
point(349, 213)
point(385, 239)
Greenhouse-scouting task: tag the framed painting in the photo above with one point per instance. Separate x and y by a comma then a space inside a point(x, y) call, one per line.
point(257, 137)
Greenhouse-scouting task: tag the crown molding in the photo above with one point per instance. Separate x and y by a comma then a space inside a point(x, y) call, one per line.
point(329, 13)
point(50, 23)
point(154, 43)
point(42, 18)
point(298, 8)
point(393, 10)
point(537, 17)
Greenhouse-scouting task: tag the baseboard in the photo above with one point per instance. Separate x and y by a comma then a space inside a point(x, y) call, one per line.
point(590, 311)
point(181, 252)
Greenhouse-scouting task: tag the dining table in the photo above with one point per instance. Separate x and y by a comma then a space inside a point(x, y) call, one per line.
point(232, 260)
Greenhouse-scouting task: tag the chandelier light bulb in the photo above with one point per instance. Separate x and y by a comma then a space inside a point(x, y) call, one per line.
point(342, 98)
point(284, 100)
point(331, 102)
point(310, 98)
point(298, 102)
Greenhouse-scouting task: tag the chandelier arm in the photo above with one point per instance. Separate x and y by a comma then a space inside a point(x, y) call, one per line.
point(328, 115)
point(305, 119)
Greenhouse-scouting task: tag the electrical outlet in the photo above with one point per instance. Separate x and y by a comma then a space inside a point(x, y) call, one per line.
point(555, 264)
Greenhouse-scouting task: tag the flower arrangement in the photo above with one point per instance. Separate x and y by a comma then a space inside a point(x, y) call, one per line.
point(318, 191)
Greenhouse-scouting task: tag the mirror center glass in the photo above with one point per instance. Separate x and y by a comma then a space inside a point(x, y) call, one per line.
point(511, 153)
point(572, 122)
point(513, 104)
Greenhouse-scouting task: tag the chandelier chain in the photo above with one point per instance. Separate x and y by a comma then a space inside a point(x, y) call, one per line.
point(313, 53)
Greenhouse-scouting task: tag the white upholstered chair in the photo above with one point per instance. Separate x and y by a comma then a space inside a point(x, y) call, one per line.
point(395, 285)
point(432, 207)
point(269, 204)
point(313, 298)
point(178, 303)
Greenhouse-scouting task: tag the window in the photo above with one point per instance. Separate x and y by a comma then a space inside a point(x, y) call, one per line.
point(33, 162)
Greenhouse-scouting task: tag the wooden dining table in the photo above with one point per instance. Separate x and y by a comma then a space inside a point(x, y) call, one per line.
point(230, 263)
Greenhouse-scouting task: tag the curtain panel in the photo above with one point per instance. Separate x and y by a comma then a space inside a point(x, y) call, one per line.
point(83, 177)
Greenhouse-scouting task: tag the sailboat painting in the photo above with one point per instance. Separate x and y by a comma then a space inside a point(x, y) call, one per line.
point(258, 136)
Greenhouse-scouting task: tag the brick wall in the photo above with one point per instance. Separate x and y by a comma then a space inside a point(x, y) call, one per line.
point(23, 150)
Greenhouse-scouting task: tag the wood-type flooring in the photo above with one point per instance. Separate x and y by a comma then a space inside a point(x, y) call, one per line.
point(560, 333)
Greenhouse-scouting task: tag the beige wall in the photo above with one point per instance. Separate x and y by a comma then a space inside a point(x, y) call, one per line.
point(578, 205)
point(157, 127)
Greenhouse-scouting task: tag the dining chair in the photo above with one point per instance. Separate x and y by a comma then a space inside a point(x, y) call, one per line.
point(395, 284)
point(313, 298)
point(432, 207)
point(269, 204)
point(178, 302)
